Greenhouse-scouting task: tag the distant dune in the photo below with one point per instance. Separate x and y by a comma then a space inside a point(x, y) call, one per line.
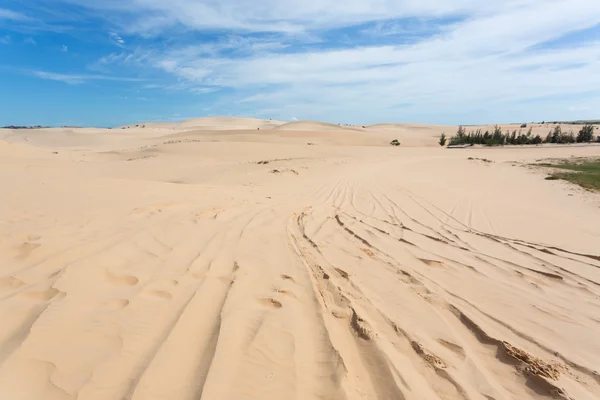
point(210, 123)
point(400, 126)
point(218, 123)
point(313, 126)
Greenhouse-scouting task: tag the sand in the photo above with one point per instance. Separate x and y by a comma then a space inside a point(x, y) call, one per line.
point(207, 261)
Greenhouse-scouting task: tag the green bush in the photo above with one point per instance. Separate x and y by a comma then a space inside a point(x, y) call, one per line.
point(496, 138)
point(442, 141)
point(586, 134)
point(395, 142)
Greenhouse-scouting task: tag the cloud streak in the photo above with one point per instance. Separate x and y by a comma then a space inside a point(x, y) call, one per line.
point(12, 15)
point(74, 79)
point(151, 16)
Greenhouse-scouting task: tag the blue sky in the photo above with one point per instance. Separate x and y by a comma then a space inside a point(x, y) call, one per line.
point(112, 62)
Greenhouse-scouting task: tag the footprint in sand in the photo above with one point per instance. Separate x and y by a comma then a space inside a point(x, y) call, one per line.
point(26, 248)
point(116, 304)
point(43, 295)
point(288, 278)
point(161, 294)
point(286, 292)
point(11, 283)
point(123, 280)
point(270, 303)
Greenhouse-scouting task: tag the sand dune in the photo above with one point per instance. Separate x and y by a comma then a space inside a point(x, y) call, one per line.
point(229, 264)
point(313, 126)
point(210, 123)
point(225, 123)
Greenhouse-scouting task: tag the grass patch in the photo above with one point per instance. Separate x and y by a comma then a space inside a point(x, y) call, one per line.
point(583, 172)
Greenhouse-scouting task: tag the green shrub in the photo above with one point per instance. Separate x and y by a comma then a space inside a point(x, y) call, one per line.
point(497, 138)
point(586, 134)
point(442, 141)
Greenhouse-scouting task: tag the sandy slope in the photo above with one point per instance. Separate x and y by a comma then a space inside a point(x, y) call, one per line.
point(210, 123)
point(315, 126)
point(182, 266)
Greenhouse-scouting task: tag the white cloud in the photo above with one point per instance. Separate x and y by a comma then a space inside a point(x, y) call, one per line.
point(465, 57)
point(5, 39)
point(12, 15)
point(64, 48)
point(118, 40)
point(75, 79)
point(484, 61)
point(30, 40)
point(151, 16)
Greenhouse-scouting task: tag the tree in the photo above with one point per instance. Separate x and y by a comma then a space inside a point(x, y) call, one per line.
point(536, 140)
point(513, 137)
point(442, 141)
point(557, 135)
point(586, 134)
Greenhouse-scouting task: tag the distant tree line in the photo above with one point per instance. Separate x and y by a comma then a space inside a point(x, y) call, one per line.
point(498, 138)
point(22, 127)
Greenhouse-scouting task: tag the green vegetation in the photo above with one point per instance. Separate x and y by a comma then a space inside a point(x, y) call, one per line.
point(583, 172)
point(498, 138)
point(395, 142)
point(556, 135)
point(443, 139)
point(586, 134)
point(495, 138)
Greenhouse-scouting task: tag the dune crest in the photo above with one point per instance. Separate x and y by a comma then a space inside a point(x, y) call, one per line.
point(313, 126)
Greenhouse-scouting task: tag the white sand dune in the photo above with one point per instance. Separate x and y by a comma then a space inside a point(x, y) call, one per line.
point(218, 123)
point(210, 123)
point(313, 126)
point(178, 263)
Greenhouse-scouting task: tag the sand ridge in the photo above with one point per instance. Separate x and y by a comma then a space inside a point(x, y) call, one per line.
point(208, 123)
point(173, 263)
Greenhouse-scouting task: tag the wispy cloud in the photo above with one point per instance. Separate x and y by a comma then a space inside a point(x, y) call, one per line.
point(152, 16)
point(75, 79)
point(30, 41)
point(118, 40)
point(64, 48)
point(5, 39)
point(13, 15)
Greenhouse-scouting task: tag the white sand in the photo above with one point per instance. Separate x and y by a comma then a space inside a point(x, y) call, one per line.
point(170, 262)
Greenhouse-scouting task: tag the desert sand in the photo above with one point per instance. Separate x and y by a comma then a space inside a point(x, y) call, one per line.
point(230, 258)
